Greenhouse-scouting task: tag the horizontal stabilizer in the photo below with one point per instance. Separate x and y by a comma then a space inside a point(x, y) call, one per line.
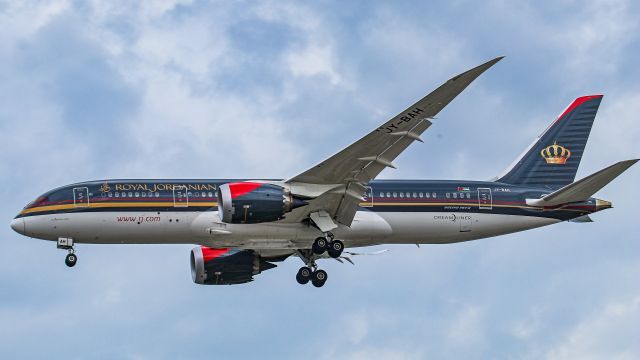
point(582, 190)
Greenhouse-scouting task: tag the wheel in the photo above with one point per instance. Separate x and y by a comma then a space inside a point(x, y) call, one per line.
point(318, 278)
point(335, 248)
point(304, 275)
point(319, 245)
point(70, 260)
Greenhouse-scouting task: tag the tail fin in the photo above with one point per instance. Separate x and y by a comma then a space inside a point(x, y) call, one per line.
point(553, 159)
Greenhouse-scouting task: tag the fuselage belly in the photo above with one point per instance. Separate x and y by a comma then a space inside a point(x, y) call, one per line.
point(204, 228)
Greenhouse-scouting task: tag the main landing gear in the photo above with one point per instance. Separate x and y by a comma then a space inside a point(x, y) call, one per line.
point(327, 243)
point(67, 244)
point(310, 272)
point(306, 274)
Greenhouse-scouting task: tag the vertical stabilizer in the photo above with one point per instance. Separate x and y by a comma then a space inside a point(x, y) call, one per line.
point(552, 160)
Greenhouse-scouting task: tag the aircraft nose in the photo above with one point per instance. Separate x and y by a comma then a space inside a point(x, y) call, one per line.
point(18, 225)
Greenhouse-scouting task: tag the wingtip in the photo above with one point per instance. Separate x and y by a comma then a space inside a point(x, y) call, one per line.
point(495, 60)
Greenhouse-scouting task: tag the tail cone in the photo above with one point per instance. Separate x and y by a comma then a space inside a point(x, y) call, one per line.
point(602, 204)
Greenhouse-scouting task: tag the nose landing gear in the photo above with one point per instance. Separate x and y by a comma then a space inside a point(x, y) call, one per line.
point(70, 259)
point(67, 244)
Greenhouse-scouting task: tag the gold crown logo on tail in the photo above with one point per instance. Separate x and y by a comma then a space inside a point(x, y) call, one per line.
point(555, 154)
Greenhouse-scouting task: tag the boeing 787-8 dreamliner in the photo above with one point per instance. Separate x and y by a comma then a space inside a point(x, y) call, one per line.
point(244, 226)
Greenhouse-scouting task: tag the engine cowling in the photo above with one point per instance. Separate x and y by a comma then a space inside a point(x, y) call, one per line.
point(225, 266)
point(253, 202)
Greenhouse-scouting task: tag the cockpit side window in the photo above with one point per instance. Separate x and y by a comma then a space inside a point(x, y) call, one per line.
point(43, 199)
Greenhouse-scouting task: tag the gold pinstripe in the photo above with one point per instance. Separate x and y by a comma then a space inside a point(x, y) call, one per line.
point(98, 205)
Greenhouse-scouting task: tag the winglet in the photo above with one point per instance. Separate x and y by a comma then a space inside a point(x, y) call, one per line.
point(472, 74)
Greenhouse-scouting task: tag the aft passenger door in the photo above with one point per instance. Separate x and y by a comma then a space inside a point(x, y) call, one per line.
point(485, 201)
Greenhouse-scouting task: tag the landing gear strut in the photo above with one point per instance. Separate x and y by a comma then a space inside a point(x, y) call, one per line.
point(67, 244)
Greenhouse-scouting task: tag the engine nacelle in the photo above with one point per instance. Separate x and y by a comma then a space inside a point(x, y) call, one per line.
point(225, 266)
point(252, 202)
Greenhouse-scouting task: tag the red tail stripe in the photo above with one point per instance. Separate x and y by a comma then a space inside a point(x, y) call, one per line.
point(577, 102)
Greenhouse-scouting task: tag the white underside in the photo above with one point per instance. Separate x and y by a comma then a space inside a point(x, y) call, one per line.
point(368, 228)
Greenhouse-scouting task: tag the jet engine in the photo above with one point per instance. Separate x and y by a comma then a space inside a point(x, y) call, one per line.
point(253, 202)
point(225, 266)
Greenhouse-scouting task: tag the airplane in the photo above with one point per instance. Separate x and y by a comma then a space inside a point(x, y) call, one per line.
point(245, 226)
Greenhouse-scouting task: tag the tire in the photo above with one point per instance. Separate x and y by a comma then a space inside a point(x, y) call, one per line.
point(70, 260)
point(304, 275)
point(318, 278)
point(319, 246)
point(336, 248)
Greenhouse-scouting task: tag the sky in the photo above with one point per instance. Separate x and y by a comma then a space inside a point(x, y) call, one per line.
point(265, 89)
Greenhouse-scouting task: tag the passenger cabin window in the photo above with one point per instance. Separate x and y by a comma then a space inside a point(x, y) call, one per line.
point(388, 194)
point(402, 195)
point(447, 195)
point(210, 194)
point(381, 194)
point(395, 194)
point(433, 195)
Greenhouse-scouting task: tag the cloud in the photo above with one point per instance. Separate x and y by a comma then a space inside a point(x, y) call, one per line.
point(236, 89)
point(313, 61)
point(611, 333)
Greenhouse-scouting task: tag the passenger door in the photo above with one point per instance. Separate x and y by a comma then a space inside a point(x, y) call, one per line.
point(81, 196)
point(485, 201)
point(180, 196)
point(367, 197)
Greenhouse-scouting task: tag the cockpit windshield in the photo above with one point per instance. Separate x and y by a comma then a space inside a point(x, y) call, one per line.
point(37, 202)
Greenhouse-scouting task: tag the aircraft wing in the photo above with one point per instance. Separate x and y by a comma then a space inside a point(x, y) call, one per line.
point(352, 168)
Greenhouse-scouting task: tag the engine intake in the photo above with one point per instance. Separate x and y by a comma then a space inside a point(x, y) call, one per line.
point(225, 266)
point(252, 202)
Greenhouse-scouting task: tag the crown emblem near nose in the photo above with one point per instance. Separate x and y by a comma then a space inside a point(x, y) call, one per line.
point(105, 188)
point(555, 154)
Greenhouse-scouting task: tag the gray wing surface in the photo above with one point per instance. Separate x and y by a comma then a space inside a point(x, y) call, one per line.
point(357, 164)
